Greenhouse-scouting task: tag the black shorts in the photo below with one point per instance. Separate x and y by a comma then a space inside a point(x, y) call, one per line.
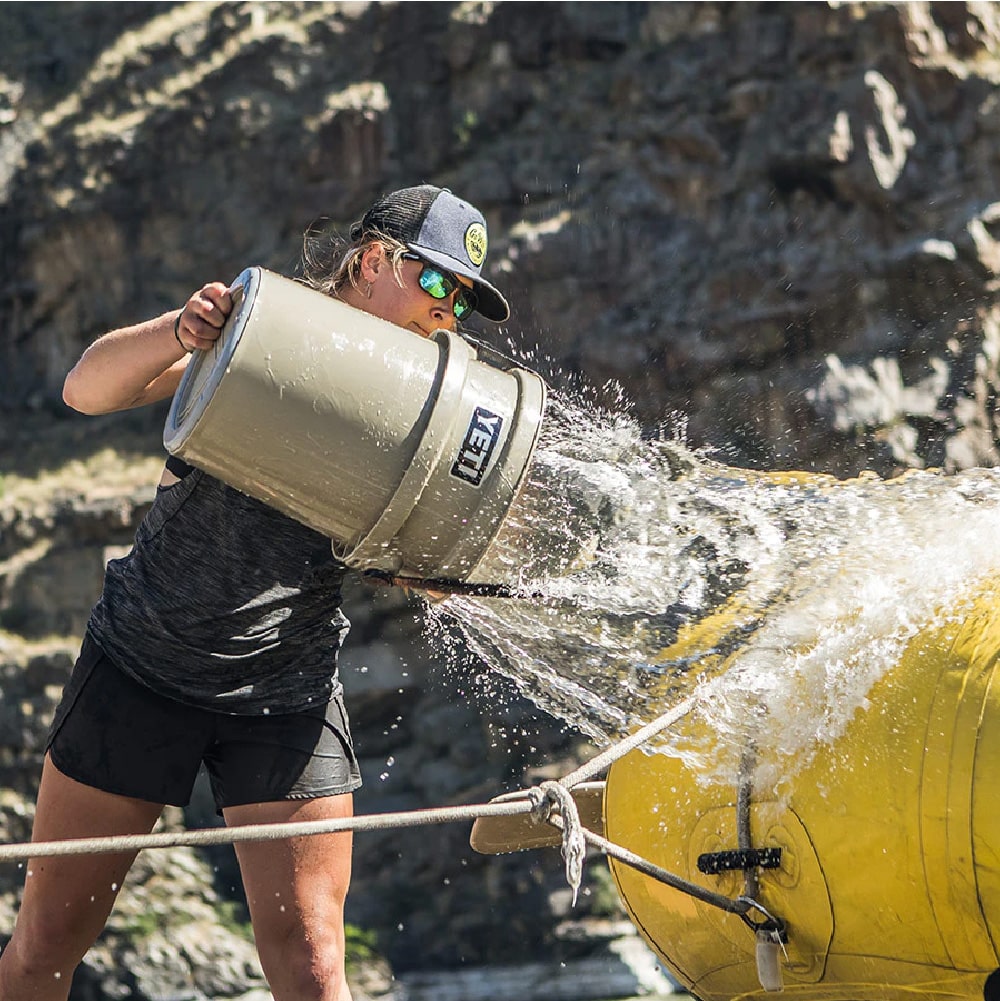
point(114, 734)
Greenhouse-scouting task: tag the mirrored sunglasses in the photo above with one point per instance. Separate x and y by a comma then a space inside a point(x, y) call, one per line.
point(439, 284)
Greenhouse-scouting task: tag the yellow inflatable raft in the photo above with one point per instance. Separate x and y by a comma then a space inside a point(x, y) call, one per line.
point(887, 882)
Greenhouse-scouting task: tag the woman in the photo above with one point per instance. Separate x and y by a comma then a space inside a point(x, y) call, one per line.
point(215, 641)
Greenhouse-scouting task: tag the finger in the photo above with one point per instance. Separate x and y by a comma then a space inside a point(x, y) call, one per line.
point(408, 584)
point(202, 341)
point(194, 332)
point(204, 315)
point(221, 299)
point(213, 304)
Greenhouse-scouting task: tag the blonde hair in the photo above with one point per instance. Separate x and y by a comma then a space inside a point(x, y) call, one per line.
point(329, 263)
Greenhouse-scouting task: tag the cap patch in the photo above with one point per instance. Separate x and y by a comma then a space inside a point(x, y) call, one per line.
point(475, 243)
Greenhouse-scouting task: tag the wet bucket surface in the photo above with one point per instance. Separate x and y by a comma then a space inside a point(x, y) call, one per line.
point(407, 452)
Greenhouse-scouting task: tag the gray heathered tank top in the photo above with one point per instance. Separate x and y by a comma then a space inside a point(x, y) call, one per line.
point(224, 603)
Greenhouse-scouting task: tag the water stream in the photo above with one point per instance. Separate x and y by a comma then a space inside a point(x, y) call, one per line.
point(650, 572)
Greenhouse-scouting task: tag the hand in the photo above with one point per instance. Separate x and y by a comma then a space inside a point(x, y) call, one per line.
point(384, 578)
point(203, 317)
point(410, 584)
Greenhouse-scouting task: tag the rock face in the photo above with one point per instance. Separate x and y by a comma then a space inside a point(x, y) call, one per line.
point(732, 209)
point(776, 226)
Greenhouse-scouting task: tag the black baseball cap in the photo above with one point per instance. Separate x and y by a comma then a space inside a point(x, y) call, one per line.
point(443, 230)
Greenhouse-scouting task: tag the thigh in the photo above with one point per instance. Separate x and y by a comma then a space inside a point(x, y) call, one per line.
point(67, 898)
point(293, 756)
point(118, 736)
point(295, 890)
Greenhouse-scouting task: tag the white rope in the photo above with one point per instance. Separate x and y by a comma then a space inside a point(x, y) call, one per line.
point(574, 846)
point(257, 832)
point(555, 801)
point(606, 758)
point(550, 802)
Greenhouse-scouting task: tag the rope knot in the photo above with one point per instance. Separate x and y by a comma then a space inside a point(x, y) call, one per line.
point(553, 803)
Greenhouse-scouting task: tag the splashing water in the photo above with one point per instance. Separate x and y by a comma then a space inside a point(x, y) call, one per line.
point(651, 573)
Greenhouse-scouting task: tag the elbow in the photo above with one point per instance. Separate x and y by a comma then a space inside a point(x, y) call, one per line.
point(75, 396)
point(70, 394)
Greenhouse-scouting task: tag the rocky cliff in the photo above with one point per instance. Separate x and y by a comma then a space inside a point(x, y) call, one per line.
point(776, 226)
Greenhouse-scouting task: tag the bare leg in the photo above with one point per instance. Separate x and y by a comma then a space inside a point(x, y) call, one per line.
point(296, 890)
point(67, 899)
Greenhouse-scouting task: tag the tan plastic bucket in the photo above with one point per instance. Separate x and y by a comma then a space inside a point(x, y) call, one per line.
point(406, 451)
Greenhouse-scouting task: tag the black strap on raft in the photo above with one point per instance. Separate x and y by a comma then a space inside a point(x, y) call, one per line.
point(712, 863)
point(748, 858)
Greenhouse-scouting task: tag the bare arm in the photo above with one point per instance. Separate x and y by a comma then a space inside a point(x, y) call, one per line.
point(136, 365)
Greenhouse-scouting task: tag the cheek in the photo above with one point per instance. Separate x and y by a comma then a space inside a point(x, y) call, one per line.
point(402, 306)
point(409, 307)
point(402, 294)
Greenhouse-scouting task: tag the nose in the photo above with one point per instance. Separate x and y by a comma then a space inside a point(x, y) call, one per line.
point(443, 312)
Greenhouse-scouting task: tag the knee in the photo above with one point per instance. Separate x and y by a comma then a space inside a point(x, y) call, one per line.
point(25, 966)
point(54, 941)
point(310, 970)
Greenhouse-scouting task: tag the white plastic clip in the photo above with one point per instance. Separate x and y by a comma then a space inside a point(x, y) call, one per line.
point(768, 959)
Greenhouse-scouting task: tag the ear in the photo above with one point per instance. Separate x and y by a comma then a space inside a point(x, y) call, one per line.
point(371, 261)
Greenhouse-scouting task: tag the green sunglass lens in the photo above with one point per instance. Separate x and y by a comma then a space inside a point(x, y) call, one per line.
point(465, 303)
point(436, 284)
point(440, 285)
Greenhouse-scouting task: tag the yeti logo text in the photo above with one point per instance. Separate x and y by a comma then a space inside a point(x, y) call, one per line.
point(480, 440)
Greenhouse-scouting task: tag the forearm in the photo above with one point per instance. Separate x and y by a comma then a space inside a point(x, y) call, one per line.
point(127, 368)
